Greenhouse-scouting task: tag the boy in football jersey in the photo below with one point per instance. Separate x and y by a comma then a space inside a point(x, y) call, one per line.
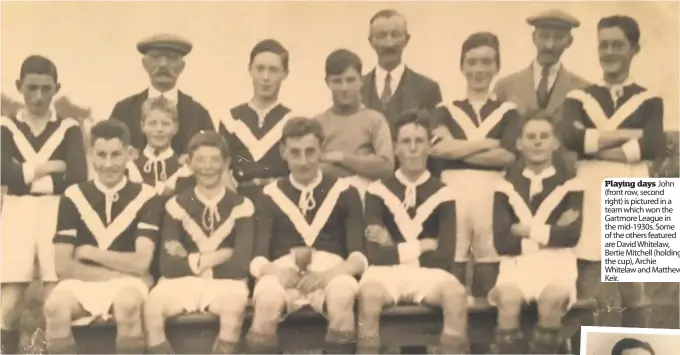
point(536, 222)
point(358, 144)
point(253, 129)
point(309, 245)
point(206, 250)
point(105, 240)
point(42, 154)
point(476, 142)
point(158, 165)
point(409, 219)
point(616, 127)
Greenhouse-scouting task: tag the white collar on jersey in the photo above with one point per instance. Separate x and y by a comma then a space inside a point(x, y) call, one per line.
point(616, 90)
point(152, 160)
point(211, 214)
point(110, 194)
point(262, 113)
point(51, 116)
point(536, 179)
point(306, 202)
point(410, 192)
point(170, 95)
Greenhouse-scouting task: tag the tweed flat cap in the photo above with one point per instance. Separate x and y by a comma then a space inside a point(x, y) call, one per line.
point(554, 18)
point(165, 41)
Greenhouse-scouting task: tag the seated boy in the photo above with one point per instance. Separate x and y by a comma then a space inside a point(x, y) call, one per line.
point(106, 234)
point(308, 246)
point(206, 249)
point(536, 222)
point(158, 165)
point(410, 248)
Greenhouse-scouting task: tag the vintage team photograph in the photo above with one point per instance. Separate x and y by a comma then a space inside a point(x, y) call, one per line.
point(629, 341)
point(328, 177)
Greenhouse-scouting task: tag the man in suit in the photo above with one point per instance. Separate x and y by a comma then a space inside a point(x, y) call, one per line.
point(164, 61)
point(392, 88)
point(544, 84)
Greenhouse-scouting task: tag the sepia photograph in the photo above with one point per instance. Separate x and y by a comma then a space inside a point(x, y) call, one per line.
point(329, 177)
point(629, 341)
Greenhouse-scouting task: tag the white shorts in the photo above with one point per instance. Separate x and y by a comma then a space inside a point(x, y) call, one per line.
point(474, 212)
point(29, 224)
point(96, 297)
point(195, 294)
point(407, 283)
point(321, 261)
point(535, 272)
point(592, 173)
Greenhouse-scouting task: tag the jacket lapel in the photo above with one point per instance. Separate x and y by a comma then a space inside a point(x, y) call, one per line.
point(526, 85)
point(559, 91)
point(368, 91)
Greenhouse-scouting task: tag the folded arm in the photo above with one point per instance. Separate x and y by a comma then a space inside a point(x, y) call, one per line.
point(352, 210)
point(234, 263)
point(562, 234)
point(446, 239)
point(455, 149)
point(381, 163)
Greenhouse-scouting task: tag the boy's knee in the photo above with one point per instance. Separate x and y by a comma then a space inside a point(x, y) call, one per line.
point(128, 304)
point(555, 296)
point(229, 305)
point(342, 292)
point(508, 297)
point(372, 297)
point(57, 307)
point(269, 302)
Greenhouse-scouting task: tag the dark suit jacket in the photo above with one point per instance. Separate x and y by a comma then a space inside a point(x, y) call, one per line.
point(192, 118)
point(415, 91)
point(519, 88)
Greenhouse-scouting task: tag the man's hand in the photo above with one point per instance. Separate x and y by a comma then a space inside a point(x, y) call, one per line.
point(334, 157)
point(133, 153)
point(52, 166)
point(520, 230)
point(175, 248)
point(288, 277)
point(182, 159)
point(379, 235)
point(147, 280)
point(85, 252)
point(428, 244)
point(316, 281)
point(568, 217)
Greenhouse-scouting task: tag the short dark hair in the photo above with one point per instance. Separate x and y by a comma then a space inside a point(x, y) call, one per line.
point(110, 129)
point(538, 115)
point(165, 106)
point(298, 127)
point(37, 64)
point(340, 60)
point(208, 139)
point(272, 46)
point(631, 343)
point(481, 39)
point(418, 117)
point(627, 24)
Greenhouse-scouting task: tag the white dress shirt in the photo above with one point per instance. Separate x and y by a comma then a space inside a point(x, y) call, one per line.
point(170, 95)
point(395, 78)
point(552, 74)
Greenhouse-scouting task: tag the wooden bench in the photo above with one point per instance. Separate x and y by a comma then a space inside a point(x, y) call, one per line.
point(304, 330)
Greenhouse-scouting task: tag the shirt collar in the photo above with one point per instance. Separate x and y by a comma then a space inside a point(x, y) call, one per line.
point(628, 82)
point(311, 186)
point(538, 69)
point(536, 179)
point(51, 116)
point(150, 153)
point(210, 202)
point(406, 182)
point(396, 73)
point(262, 113)
point(171, 95)
point(110, 190)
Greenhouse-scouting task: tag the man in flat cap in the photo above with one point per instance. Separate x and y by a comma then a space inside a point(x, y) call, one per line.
point(164, 61)
point(544, 84)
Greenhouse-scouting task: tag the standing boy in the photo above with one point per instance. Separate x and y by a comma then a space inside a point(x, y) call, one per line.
point(253, 129)
point(105, 240)
point(42, 154)
point(357, 144)
point(616, 127)
point(409, 220)
point(308, 247)
point(206, 249)
point(536, 222)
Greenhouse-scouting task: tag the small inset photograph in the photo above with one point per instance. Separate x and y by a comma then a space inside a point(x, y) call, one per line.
point(629, 341)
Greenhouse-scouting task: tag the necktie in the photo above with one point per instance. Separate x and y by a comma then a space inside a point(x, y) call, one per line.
point(387, 90)
point(542, 92)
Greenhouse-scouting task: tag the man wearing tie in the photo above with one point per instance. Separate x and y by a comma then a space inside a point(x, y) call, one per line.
point(544, 84)
point(392, 88)
point(164, 61)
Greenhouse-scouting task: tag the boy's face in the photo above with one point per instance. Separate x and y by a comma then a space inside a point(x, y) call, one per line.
point(268, 73)
point(38, 91)
point(159, 128)
point(109, 159)
point(303, 155)
point(412, 147)
point(537, 141)
point(615, 51)
point(208, 165)
point(480, 67)
point(345, 87)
